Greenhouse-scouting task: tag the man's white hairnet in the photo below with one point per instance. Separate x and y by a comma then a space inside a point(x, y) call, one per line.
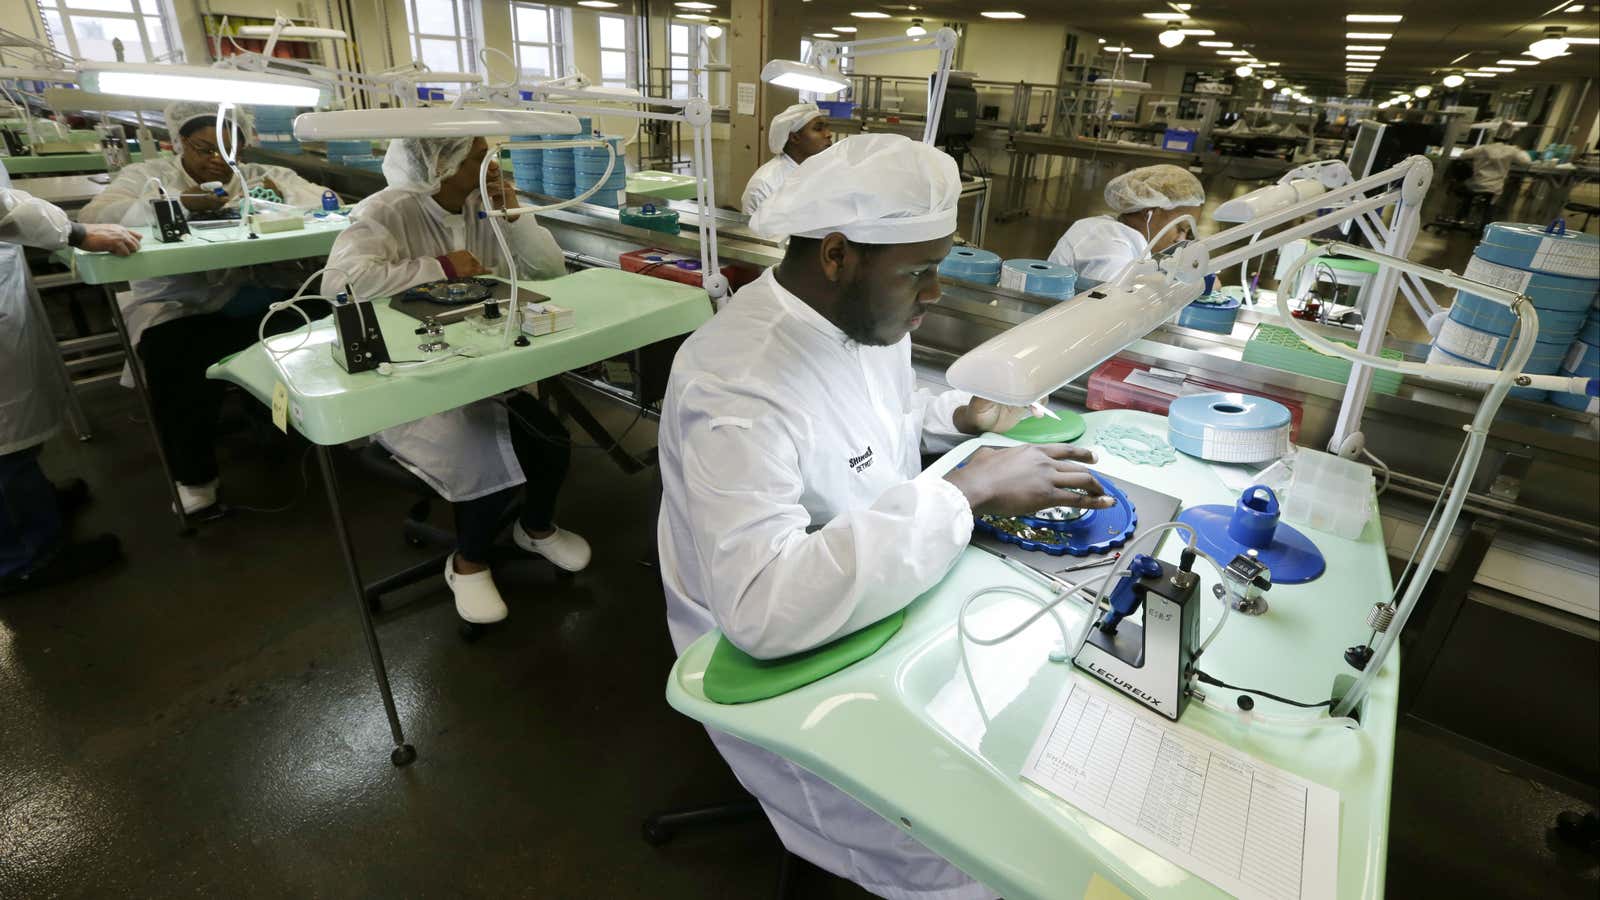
point(420, 165)
point(872, 188)
point(788, 122)
point(181, 112)
point(1154, 187)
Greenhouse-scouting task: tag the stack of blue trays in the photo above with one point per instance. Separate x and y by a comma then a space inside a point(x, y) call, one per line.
point(589, 164)
point(972, 264)
point(1040, 277)
point(556, 170)
point(355, 154)
point(275, 128)
point(1558, 271)
point(1582, 361)
point(527, 166)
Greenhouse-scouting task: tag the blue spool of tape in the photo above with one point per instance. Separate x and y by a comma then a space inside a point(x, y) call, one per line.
point(972, 264)
point(1549, 249)
point(1207, 314)
point(1534, 394)
point(1039, 276)
point(349, 148)
point(1590, 332)
point(1227, 427)
point(1581, 360)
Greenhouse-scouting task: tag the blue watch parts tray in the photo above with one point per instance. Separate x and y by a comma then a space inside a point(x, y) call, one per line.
point(1064, 530)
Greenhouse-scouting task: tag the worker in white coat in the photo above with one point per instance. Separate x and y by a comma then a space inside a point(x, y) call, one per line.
point(797, 134)
point(181, 324)
point(1491, 163)
point(1144, 202)
point(425, 227)
point(794, 510)
point(35, 515)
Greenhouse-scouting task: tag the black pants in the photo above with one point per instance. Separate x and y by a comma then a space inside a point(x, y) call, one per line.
point(184, 401)
point(544, 451)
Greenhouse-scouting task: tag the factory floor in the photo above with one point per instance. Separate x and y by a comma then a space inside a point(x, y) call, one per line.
point(202, 721)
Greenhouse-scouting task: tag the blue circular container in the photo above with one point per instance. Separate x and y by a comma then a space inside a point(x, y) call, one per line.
point(1537, 284)
point(1039, 276)
point(1590, 332)
point(1582, 360)
point(1228, 427)
point(1549, 249)
point(1474, 311)
point(971, 264)
point(1575, 401)
point(349, 148)
point(1211, 315)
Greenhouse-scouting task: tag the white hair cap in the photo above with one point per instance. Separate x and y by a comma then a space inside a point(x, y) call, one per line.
point(872, 188)
point(181, 112)
point(1154, 187)
point(788, 122)
point(420, 165)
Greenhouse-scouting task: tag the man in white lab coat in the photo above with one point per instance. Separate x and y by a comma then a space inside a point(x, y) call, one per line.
point(1491, 163)
point(1144, 201)
point(793, 508)
point(797, 134)
point(425, 226)
point(35, 549)
point(181, 324)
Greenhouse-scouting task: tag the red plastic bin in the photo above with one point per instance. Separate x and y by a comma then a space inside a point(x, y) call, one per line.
point(682, 268)
point(1109, 388)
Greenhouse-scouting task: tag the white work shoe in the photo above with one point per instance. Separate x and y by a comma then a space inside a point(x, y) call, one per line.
point(567, 550)
point(477, 599)
point(196, 497)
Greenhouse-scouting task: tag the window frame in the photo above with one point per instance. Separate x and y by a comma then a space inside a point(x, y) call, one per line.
point(468, 40)
point(143, 11)
point(630, 55)
point(558, 25)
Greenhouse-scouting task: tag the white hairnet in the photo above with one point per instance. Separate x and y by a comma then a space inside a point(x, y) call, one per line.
point(181, 112)
point(788, 122)
point(872, 188)
point(1154, 187)
point(420, 165)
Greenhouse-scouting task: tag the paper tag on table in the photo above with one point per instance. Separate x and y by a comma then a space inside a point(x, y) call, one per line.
point(1251, 829)
point(1496, 275)
point(280, 407)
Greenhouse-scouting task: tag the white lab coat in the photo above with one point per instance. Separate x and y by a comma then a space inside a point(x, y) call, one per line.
point(1099, 247)
point(390, 245)
point(793, 511)
point(126, 201)
point(766, 181)
point(32, 393)
point(1491, 163)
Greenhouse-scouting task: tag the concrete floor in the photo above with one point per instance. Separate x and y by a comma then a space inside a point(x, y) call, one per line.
point(203, 720)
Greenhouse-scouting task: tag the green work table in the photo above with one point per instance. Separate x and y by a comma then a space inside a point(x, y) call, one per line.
point(664, 185)
point(57, 163)
point(219, 248)
point(899, 731)
point(614, 312)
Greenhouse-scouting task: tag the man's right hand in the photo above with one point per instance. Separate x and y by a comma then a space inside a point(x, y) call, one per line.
point(465, 264)
point(1019, 481)
point(200, 201)
point(112, 239)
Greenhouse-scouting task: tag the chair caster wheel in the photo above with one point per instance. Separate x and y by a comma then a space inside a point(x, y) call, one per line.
point(403, 755)
point(656, 834)
point(470, 632)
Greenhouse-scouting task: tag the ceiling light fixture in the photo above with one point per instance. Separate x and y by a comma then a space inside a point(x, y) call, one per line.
point(1501, 69)
point(1368, 35)
point(1232, 53)
point(1370, 17)
point(600, 4)
point(1216, 43)
point(1285, 91)
point(1243, 71)
point(824, 34)
point(713, 31)
point(695, 4)
point(1362, 56)
point(1167, 16)
point(915, 30)
point(1172, 37)
point(1516, 62)
point(1141, 56)
point(1423, 91)
point(1579, 40)
point(1268, 84)
point(1366, 48)
point(1002, 15)
point(787, 73)
point(1451, 81)
point(1552, 45)
point(1197, 32)
point(1481, 75)
point(874, 15)
point(846, 29)
point(693, 17)
point(1119, 49)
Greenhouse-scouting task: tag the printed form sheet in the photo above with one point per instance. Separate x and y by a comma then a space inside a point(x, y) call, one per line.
point(1252, 830)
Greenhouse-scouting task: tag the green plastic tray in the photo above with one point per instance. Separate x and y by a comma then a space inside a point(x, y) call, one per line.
point(1279, 348)
point(734, 676)
point(1045, 430)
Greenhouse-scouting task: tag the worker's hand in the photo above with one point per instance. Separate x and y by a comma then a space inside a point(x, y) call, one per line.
point(1019, 481)
point(980, 415)
point(112, 239)
point(272, 186)
point(465, 264)
point(201, 201)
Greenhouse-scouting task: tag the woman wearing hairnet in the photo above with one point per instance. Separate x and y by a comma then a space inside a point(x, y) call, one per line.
point(425, 227)
point(797, 134)
point(1144, 200)
point(181, 324)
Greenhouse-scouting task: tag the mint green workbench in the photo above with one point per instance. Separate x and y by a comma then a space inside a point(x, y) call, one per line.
point(664, 185)
point(614, 312)
point(57, 163)
point(899, 731)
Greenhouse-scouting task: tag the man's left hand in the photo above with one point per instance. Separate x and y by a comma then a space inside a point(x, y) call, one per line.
point(980, 415)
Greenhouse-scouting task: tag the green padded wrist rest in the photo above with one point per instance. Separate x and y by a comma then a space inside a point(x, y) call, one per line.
point(734, 676)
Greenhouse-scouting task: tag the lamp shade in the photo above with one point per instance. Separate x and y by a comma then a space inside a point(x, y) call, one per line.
point(199, 83)
point(426, 122)
point(801, 76)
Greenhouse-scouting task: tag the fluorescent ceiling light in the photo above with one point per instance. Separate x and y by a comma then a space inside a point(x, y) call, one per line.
point(200, 83)
point(1368, 35)
point(695, 4)
point(1480, 75)
point(693, 17)
point(1119, 49)
point(1423, 91)
point(1578, 40)
point(1574, 8)
point(1366, 48)
point(1232, 53)
point(799, 76)
point(847, 29)
point(824, 34)
point(1141, 56)
point(1002, 15)
point(1167, 16)
point(1171, 37)
point(429, 122)
point(1368, 17)
point(1496, 69)
point(1361, 56)
point(1242, 71)
point(1553, 44)
point(1197, 32)
point(597, 4)
point(1451, 81)
point(1359, 67)
point(870, 15)
point(1516, 62)
point(916, 30)
point(1216, 43)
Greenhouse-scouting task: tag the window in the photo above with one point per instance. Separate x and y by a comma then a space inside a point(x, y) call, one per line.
point(680, 38)
point(443, 34)
point(540, 33)
point(616, 52)
point(88, 29)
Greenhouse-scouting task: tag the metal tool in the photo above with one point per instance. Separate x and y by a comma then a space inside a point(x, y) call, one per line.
point(1250, 579)
point(1149, 662)
point(1091, 564)
point(432, 333)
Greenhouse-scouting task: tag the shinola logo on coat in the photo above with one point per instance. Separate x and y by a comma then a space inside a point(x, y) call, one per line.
point(861, 462)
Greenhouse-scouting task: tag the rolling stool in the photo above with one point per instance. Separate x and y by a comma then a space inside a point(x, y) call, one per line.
point(662, 827)
point(1589, 211)
point(1472, 207)
point(417, 531)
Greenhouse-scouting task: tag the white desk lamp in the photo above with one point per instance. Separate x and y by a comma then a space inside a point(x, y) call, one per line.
point(1042, 354)
point(819, 73)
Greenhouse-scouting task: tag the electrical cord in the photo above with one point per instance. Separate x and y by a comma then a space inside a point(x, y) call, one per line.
point(1217, 682)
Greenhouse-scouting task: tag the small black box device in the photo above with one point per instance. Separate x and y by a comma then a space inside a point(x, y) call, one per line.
point(170, 221)
point(360, 347)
